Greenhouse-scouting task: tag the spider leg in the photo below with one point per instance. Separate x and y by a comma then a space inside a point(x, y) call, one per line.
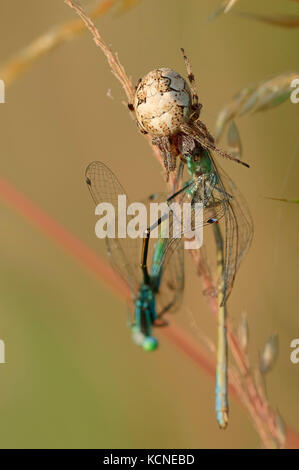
point(196, 106)
point(165, 147)
point(171, 158)
point(197, 134)
point(138, 81)
point(205, 130)
point(143, 131)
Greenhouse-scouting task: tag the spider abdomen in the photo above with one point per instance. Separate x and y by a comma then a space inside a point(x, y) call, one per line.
point(162, 102)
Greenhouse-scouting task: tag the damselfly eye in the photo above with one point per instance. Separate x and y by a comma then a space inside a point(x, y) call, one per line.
point(162, 102)
point(150, 343)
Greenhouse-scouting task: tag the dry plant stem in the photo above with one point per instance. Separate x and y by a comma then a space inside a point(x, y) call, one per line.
point(113, 61)
point(263, 418)
point(259, 411)
point(54, 37)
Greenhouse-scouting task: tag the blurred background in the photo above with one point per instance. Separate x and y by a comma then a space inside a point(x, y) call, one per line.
point(73, 377)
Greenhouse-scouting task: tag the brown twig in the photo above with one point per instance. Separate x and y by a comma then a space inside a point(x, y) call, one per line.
point(113, 61)
point(115, 65)
point(256, 405)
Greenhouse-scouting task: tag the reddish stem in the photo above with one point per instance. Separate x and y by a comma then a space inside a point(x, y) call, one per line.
point(103, 271)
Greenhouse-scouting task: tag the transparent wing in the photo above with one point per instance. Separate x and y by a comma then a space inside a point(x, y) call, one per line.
point(125, 252)
point(222, 202)
point(238, 230)
point(172, 286)
point(203, 189)
point(167, 273)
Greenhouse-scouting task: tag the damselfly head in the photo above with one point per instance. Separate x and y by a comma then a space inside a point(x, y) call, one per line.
point(149, 343)
point(162, 102)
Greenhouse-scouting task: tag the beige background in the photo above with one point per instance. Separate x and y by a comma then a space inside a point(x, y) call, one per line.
point(73, 378)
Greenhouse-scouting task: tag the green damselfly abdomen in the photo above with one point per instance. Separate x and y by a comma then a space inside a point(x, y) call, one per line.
point(145, 315)
point(227, 206)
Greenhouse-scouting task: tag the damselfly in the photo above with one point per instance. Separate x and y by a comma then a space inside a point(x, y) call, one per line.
point(154, 292)
point(232, 244)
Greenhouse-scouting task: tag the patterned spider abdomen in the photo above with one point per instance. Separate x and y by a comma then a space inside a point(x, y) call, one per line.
point(162, 102)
